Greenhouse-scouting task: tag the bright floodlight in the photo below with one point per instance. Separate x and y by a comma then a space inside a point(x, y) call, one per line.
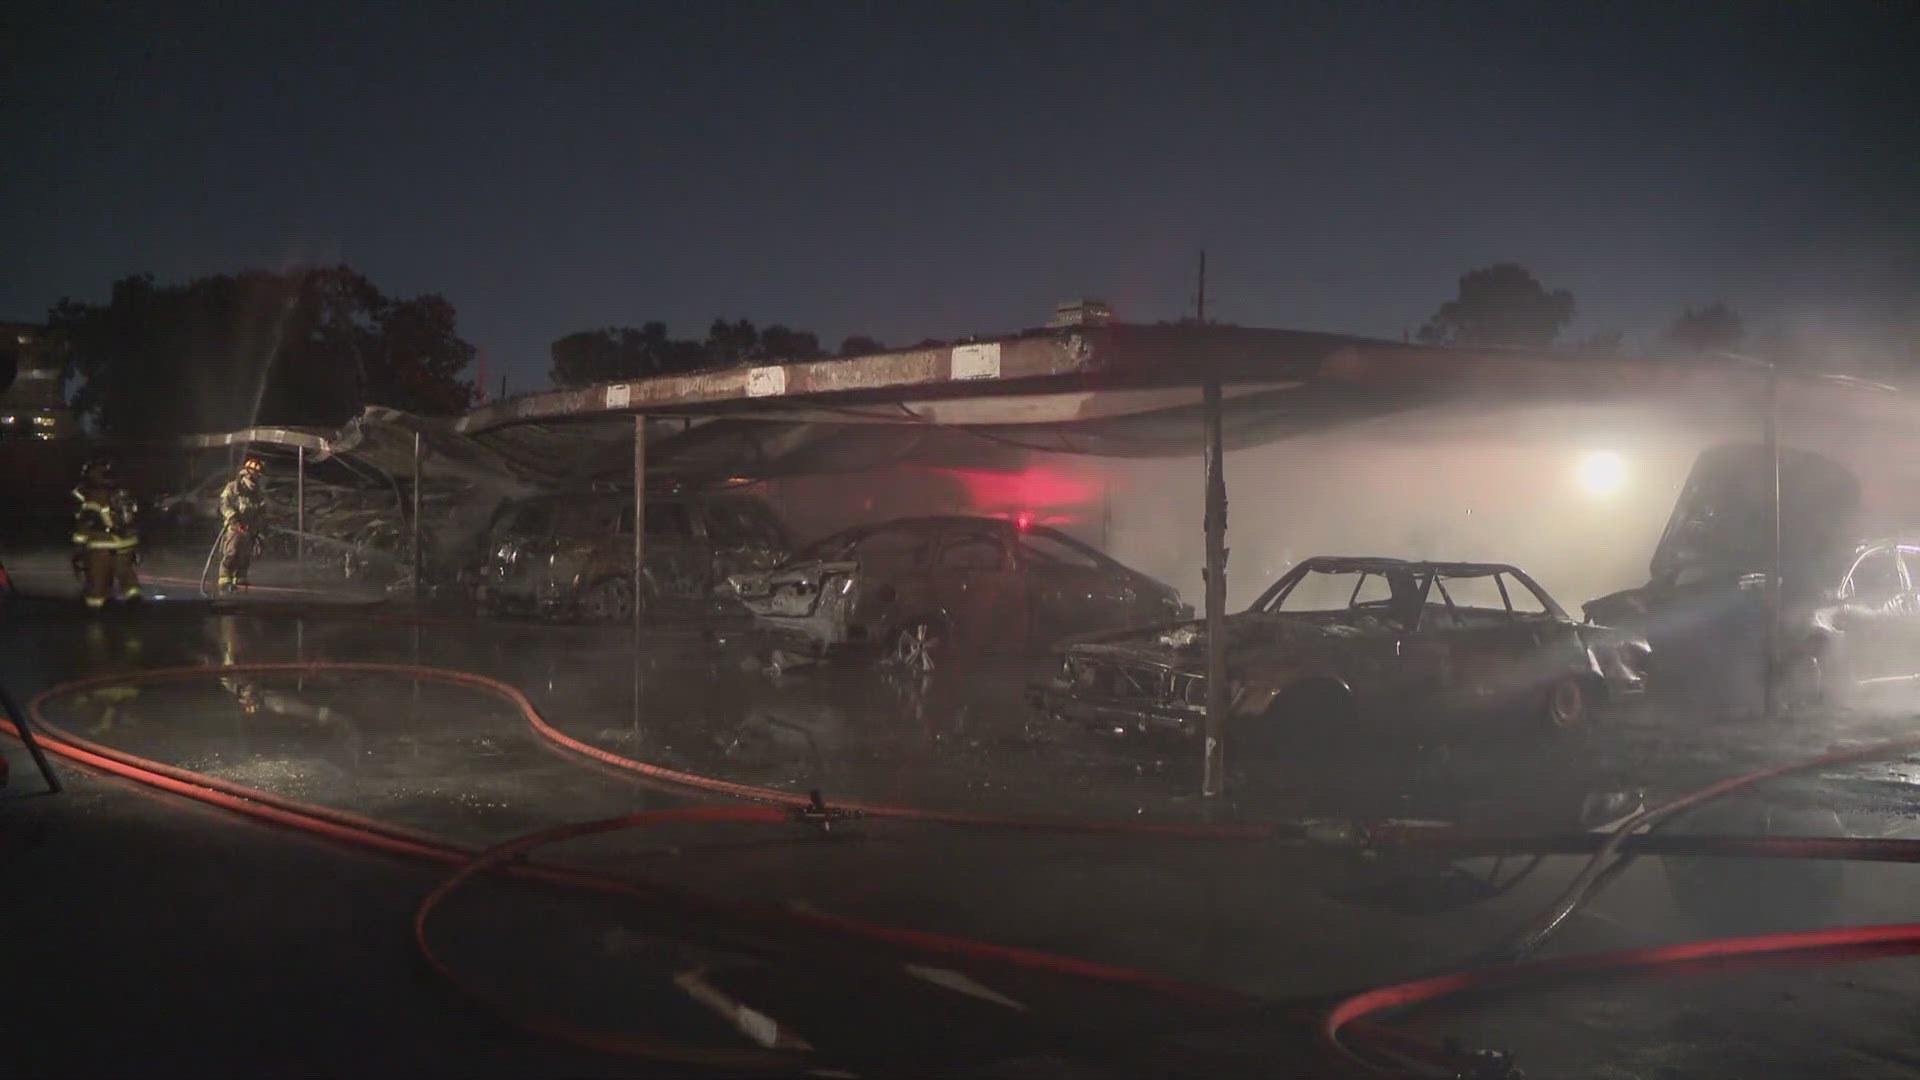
point(1602, 473)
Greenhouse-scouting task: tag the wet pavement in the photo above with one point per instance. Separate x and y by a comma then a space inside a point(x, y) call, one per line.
point(1268, 920)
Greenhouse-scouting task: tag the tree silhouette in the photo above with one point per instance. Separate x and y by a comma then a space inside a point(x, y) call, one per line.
point(779, 343)
point(730, 343)
point(312, 345)
point(1500, 306)
point(1713, 328)
point(622, 352)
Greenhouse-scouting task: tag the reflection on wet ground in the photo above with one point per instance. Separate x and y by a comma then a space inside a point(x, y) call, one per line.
point(462, 763)
point(696, 698)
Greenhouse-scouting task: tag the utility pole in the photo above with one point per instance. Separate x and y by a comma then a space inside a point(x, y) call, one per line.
point(1200, 298)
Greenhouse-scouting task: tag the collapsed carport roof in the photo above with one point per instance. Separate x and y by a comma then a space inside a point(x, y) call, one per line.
point(382, 439)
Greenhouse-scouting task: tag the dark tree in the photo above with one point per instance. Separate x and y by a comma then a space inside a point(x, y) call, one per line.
point(778, 343)
point(730, 343)
point(616, 353)
point(1713, 328)
point(861, 345)
point(419, 358)
point(309, 346)
point(1500, 306)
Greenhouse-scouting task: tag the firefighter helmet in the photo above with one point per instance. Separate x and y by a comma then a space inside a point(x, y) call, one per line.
point(98, 469)
point(252, 464)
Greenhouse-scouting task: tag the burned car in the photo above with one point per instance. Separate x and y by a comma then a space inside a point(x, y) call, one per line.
point(1848, 612)
point(1848, 629)
point(570, 555)
point(1337, 639)
point(911, 590)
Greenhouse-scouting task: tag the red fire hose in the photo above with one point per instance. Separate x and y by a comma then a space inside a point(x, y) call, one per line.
point(1846, 943)
point(341, 825)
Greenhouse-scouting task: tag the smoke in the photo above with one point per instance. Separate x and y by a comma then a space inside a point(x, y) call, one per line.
point(1576, 495)
point(1514, 486)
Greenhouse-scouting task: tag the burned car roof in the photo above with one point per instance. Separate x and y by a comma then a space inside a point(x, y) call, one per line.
point(1380, 564)
point(932, 521)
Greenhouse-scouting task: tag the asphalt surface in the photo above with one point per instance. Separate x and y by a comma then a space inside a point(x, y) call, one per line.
point(157, 938)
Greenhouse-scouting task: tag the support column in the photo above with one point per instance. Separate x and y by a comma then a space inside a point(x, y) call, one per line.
point(300, 514)
point(416, 516)
point(1769, 663)
point(1216, 596)
point(639, 518)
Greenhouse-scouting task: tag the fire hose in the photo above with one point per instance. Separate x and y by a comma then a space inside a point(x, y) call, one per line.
point(207, 567)
point(1847, 942)
point(1900, 939)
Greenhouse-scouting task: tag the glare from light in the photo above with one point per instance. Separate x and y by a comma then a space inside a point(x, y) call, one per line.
point(1602, 473)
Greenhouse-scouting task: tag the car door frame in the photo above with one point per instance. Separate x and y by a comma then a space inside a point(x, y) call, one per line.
point(1906, 638)
point(957, 598)
point(1880, 641)
point(1512, 644)
point(1113, 596)
point(1871, 637)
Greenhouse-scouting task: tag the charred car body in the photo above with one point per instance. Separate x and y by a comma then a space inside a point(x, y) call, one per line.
point(911, 590)
point(571, 554)
point(1848, 616)
point(1337, 638)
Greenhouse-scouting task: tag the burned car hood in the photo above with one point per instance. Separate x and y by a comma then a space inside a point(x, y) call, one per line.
point(1185, 643)
point(761, 583)
point(1723, 520)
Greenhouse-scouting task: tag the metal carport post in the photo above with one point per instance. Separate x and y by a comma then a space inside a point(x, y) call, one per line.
point(300, 514)
point(1215, 521)
point(639, 518)
point(416, 516)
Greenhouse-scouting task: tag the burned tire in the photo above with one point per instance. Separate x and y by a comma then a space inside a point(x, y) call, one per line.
point(608, 601)
point(1568, 704)
point(920, 646)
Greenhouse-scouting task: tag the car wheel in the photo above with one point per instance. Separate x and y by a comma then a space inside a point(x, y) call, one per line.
point(1569, 704)
point(609, 600)
point(919, 647)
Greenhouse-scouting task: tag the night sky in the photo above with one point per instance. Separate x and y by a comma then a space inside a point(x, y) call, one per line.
point(910, 171)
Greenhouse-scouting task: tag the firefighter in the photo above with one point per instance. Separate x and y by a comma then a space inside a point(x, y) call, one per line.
point(106, 545)
point(243, 506)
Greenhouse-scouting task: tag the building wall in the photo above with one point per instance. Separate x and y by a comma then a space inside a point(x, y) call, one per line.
point(33, 407)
